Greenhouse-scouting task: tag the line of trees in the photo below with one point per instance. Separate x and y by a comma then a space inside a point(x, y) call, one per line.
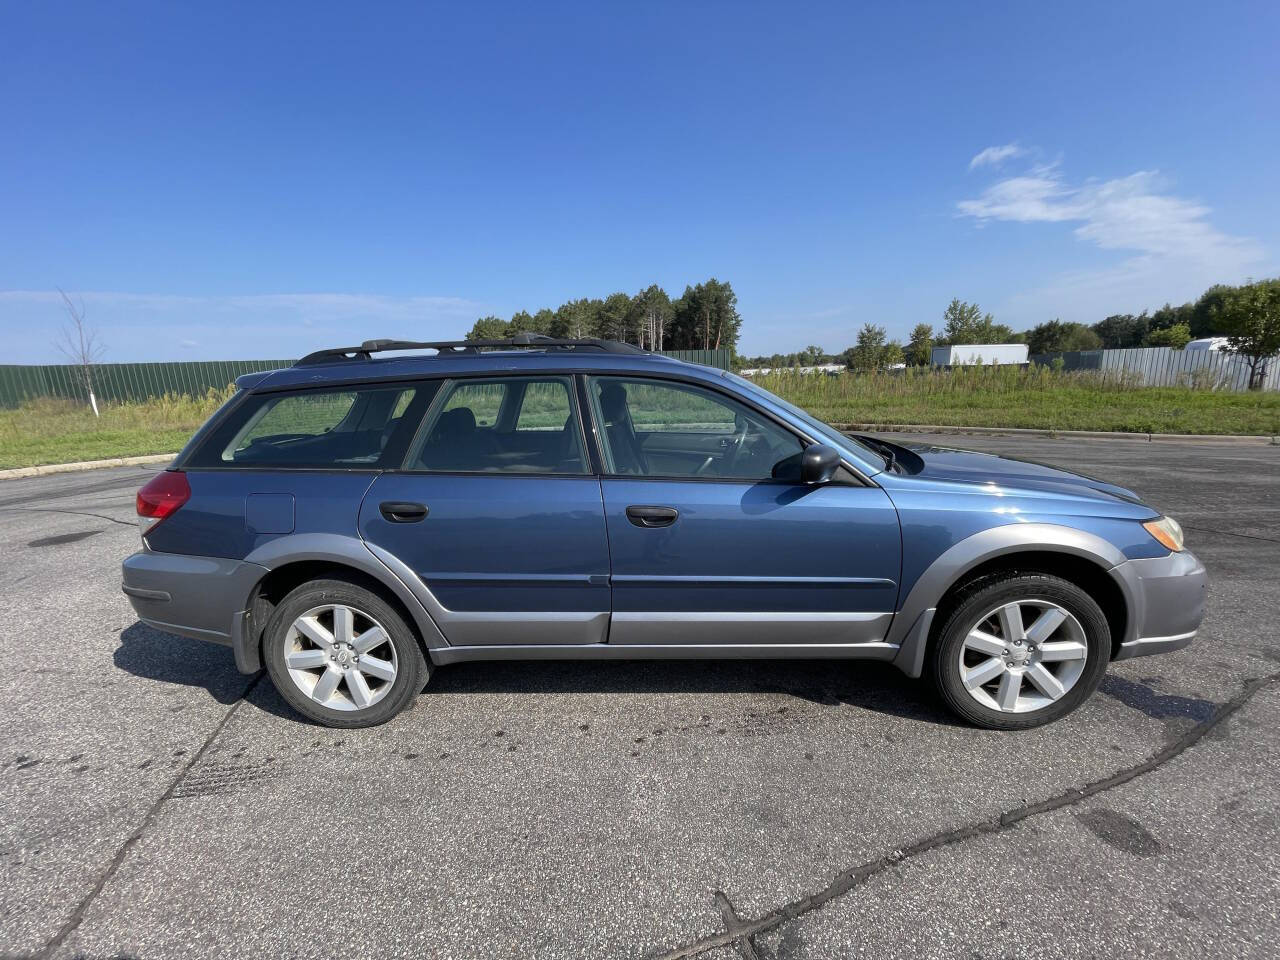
point(705, 317)
point(1247, 315)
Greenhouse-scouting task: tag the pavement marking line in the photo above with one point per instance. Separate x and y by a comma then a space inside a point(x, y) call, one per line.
point(746, 946)
point(854, 877)
point(82, 908)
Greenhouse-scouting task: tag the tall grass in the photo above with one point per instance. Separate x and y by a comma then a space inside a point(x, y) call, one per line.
point(54, 430)
point(1038, 397)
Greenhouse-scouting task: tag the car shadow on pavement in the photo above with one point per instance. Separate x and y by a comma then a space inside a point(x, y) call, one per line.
point(167, 658)
point(867, 685)
point(155, 655)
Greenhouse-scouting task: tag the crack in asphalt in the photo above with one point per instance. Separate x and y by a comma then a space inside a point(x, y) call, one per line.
point(82, 908)
point(72, 513)
point(131, 480)
point(1228, 533)
point(741, 931)
point(746, 946)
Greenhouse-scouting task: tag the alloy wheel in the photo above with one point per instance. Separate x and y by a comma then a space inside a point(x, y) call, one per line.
point(1023, 656)
point(340, 657)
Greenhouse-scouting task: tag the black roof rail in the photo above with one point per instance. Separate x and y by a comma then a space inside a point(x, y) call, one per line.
point(536, 341)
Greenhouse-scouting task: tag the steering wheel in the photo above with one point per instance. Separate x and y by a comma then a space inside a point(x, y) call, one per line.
point(739, 442)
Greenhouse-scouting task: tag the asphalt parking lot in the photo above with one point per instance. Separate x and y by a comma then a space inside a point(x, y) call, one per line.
point(156, 803)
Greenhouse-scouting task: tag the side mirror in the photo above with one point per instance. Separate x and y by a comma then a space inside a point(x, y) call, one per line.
point(818, 463)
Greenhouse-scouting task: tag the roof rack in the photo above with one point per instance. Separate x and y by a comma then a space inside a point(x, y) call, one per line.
point(535, 341)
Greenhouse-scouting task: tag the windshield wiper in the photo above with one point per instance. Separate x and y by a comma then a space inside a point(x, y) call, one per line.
point(886, 451)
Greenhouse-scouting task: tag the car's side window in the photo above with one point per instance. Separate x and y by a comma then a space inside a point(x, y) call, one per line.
point(483, 398)
point(659, 428)
point(341, 427)
point(510, 425)
point(545, 406)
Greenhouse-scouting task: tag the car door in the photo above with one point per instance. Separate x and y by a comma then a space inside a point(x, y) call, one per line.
point(498, 515)
point(713, 539)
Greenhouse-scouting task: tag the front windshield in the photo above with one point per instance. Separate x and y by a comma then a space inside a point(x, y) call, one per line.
point(824, 430)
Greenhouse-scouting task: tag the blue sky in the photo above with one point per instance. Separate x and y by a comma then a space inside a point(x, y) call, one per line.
point(223, 181)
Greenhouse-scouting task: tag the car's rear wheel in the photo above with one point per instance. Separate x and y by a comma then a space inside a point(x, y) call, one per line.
point(1020, 650)
point(342, 655)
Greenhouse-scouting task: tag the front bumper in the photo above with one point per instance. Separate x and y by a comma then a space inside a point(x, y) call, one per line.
point(1166, 603)
point(198, 597)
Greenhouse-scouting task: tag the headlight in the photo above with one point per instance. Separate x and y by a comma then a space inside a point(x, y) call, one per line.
point(1167, 531)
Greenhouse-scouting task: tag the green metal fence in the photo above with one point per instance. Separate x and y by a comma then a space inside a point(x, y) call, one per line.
point(132, 382)
point(711, 358)
point(124, 382)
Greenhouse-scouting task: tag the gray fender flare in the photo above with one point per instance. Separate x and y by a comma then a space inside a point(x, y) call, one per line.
point(910, 629)
point(341, 551)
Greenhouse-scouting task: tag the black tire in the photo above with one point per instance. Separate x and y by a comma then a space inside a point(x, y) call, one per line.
point(967, 610)
point(411, 671)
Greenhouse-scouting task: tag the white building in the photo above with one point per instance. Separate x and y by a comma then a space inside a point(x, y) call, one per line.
point(973, 354)
point(1207, 343)
point(828, 368)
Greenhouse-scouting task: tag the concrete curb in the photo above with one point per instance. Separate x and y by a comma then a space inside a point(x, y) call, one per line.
point(41, 471)
point(1059, 434)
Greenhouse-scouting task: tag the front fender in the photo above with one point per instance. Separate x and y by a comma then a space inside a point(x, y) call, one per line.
point(911, 625)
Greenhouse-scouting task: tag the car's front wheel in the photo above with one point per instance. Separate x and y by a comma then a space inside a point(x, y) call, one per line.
point(342, 655)
point(1020, 650)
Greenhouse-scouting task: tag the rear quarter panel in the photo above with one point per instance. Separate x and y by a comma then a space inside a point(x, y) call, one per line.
point(231, 513)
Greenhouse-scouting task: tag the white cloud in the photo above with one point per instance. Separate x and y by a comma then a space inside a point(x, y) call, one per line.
point(1175, 252)
point(1128, 213)
point(995, 156)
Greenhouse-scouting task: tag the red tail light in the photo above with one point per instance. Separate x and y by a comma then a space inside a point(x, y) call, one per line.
point(163, 495)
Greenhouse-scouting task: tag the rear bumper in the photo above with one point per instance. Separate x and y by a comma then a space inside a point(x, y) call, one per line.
point(199, 597)
point(1166, 603)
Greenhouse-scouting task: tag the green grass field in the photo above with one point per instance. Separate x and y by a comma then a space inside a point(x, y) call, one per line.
point(1038, 397)
point(60, 431)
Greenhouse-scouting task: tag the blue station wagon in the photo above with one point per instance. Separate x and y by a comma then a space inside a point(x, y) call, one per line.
point(355, 521)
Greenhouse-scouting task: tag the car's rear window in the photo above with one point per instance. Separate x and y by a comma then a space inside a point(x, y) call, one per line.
point(343, 427)
point(292, 418)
